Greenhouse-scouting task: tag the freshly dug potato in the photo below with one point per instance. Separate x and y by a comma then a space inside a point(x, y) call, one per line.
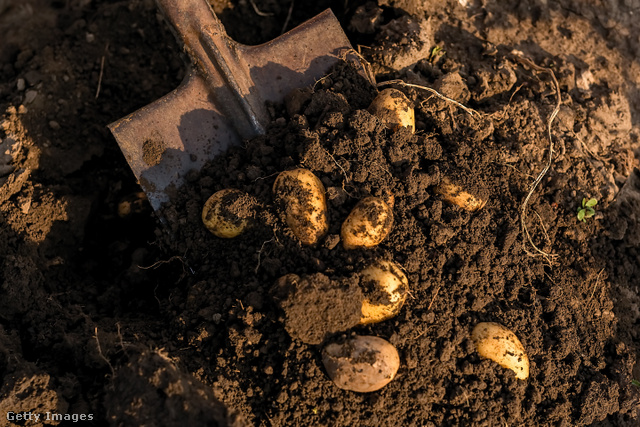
point(227, 213)
point(368, 224)
point(302, 196)
point(494, 341)
point(453, 193)
point(385, 290)
point(361, 363)
point(394, 109)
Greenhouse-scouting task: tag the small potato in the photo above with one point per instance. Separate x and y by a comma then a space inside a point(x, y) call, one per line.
point(302, 196)
point(494, 341)
point(394, 109)
point(454, 194)
point(385, 290)
point(361, 363)
point(227, 213)
point(368, 224)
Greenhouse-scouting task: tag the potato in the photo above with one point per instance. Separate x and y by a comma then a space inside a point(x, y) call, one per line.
point(454, 194)
point(368, 224)
point(394, 109)
point(227, 213)
point(494, 341)
point(385, 290)
point(302, 197)
point(361, 363)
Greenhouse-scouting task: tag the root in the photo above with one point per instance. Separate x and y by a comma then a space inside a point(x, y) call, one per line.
point(544, 229)
point(168, 261)
point(287, 19)
point(468, 110)
point(266, 177)
point(258, 11)
point(273, 239)
point(121, 339)
point(549, 258)
point(323, 78)
point(595, 285)
point(434, 297)
point(113, 372)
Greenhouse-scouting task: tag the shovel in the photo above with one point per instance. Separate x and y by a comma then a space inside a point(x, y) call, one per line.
point(222, 98)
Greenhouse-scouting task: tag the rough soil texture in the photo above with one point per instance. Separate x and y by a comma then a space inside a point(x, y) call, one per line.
point(106, 311)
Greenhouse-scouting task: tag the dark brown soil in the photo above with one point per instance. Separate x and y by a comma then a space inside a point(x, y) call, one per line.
point(105, 311)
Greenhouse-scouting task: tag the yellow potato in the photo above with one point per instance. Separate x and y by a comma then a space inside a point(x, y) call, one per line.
point(361, 363)
point(368, 224)
point(302, 196)
point(454, 194)
point(394, 109)
point(494, 341)
point(385, 290)
point(227, 212)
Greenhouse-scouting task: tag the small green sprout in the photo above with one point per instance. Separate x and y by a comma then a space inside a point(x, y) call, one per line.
point(586, 210)
point(436, 52)
point(635, 383)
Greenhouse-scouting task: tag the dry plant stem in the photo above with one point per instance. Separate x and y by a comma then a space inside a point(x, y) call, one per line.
point(106, 48)
point(523, 208)
point(468, 110)
point(366, 67)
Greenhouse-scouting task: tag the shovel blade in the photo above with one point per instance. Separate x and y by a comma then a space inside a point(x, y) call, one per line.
point(191, 125)
point(166, 139)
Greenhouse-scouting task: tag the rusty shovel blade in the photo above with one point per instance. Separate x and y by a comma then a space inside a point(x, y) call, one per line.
point(222, 98)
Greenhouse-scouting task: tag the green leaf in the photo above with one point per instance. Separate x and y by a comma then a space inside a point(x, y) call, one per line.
point(589, 213)
point(581, 214)
point(584, 202)
point(591, 203)
point(635, 383)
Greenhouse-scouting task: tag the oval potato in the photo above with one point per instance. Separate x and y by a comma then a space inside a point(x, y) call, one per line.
point(494, 341)
point(227, 212)
point(394, 109)
point(385, 291)
point(361, 363)
point(454, 194)
point(302, 196)
point(368, 224)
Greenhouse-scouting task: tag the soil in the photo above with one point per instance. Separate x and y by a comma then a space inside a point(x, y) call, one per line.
point(109, 316)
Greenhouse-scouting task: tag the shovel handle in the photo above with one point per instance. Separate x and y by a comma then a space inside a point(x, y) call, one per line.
point(219, 60)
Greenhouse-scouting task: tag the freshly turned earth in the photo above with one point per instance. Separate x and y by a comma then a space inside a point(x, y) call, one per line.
point(96, 294)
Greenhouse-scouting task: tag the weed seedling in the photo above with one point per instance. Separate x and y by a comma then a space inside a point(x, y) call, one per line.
point(586, 210)
point(635, 383)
